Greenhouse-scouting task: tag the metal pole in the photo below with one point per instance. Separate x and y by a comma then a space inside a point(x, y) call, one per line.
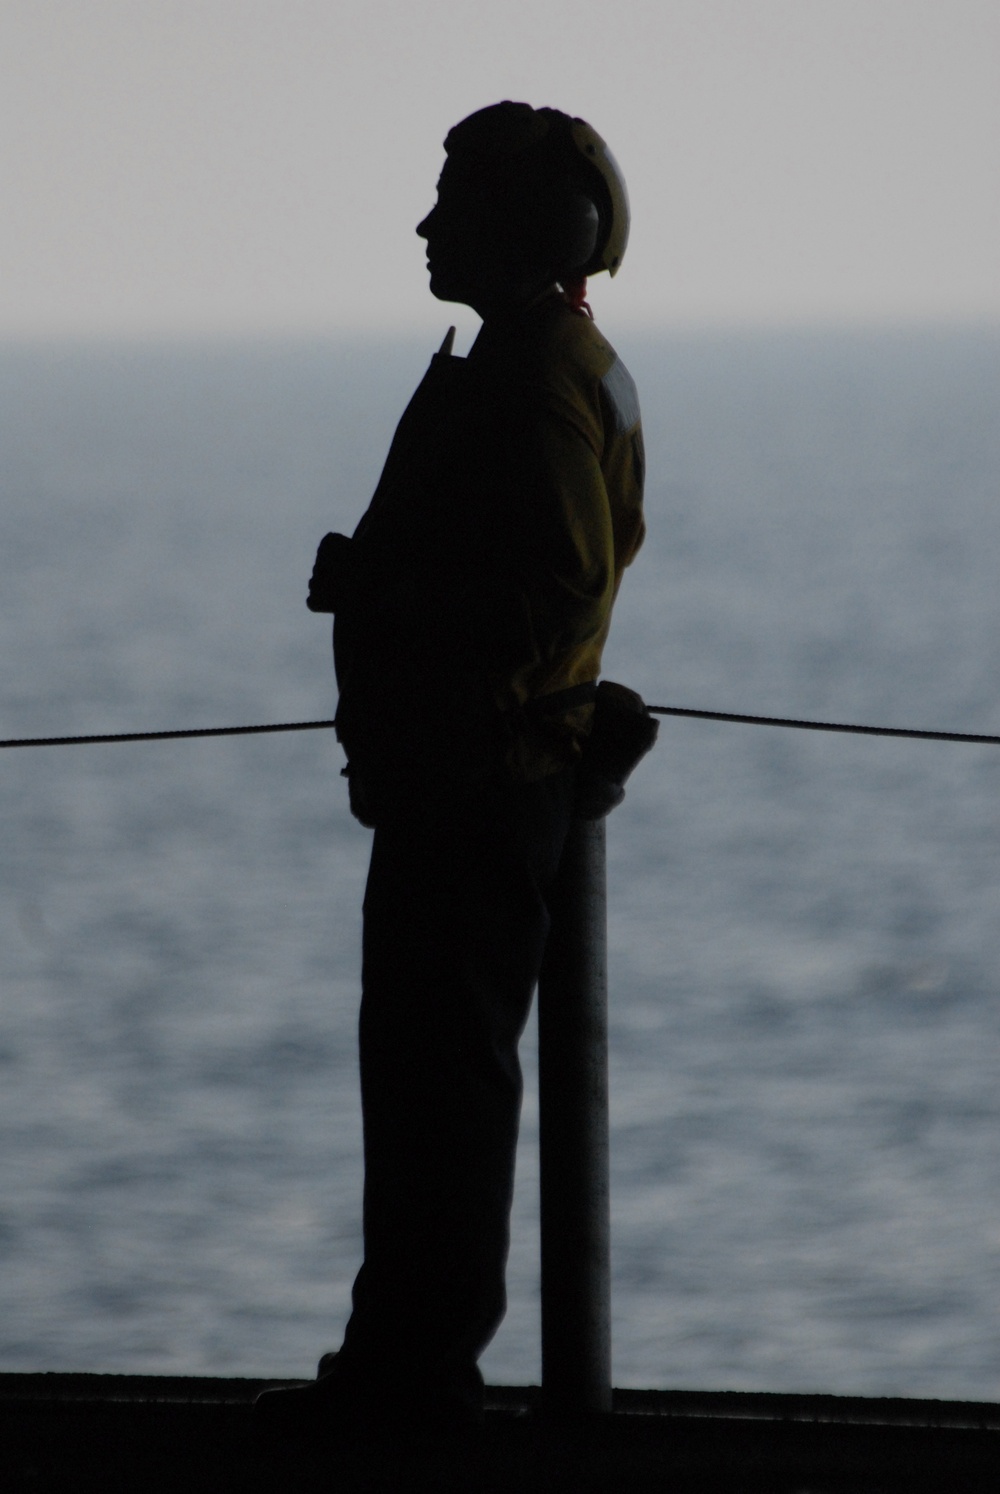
point(573, 1127)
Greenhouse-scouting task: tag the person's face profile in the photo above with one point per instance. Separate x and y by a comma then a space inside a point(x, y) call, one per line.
point(460, 234)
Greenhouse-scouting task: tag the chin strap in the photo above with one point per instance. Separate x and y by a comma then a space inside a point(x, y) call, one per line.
point(575, 295)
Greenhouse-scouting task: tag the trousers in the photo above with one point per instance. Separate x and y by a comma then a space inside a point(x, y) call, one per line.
point(455, 925)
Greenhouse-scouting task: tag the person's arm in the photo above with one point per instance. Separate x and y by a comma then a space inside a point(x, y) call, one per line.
point(579, 503)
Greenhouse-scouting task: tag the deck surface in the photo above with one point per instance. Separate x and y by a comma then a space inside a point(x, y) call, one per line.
point(60, 1434)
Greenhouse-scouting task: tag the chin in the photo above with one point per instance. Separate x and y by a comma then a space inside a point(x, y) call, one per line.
point(443, 289)
point(449, 288)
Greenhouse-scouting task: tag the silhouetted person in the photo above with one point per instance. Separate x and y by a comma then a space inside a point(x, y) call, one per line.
point(472, 605)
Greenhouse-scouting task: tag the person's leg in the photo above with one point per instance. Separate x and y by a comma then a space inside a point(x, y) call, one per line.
point(455, 925)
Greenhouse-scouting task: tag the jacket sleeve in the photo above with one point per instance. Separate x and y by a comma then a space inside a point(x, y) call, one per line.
point(577, 486)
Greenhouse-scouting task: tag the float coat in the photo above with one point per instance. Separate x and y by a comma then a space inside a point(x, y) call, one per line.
point(484, 571)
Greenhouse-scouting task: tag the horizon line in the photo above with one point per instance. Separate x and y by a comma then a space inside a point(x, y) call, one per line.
point(158, 335)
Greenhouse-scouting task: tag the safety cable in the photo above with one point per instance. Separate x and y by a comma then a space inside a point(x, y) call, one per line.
point(163, 736)
point(245, 731)
point(865, 731)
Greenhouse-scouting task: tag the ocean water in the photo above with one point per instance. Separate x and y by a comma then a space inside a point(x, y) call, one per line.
point(804, 930)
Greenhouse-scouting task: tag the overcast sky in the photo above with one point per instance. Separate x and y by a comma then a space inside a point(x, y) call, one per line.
point(248, 166)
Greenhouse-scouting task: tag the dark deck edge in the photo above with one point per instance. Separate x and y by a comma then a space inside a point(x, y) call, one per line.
point(164, 1433)
point(57, 1387)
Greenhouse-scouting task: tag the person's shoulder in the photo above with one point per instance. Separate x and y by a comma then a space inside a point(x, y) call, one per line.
point(574, 354)
point(568, 340)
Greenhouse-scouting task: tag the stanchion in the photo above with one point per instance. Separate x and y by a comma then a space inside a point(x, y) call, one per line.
point(573, 1126)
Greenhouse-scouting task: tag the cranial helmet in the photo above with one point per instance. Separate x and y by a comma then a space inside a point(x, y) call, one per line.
point(554, 185)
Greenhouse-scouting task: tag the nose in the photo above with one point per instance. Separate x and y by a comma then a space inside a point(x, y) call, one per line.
point(424, 226)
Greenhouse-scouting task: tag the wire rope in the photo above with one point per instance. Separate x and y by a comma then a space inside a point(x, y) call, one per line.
point(794, 723)
point(843, 726)
point(164, 736)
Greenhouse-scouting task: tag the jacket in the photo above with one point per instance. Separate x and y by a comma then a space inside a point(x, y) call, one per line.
point(484, 571)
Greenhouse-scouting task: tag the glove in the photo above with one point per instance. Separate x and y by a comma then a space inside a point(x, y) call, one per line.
point(331, 574)
point(622, 733)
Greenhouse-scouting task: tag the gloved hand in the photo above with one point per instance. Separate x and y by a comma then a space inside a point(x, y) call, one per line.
point(622, 733)
point(331, 573)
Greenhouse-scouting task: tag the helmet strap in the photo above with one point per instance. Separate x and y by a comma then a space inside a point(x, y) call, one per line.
point(574, 289)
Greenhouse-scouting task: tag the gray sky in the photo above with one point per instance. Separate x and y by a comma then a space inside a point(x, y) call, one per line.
point(247, 166)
